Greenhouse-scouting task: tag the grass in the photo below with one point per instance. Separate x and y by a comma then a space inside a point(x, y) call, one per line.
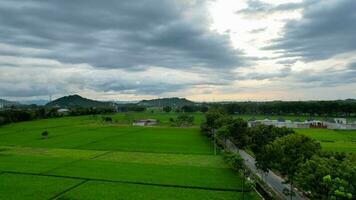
point(99, 190)
point(168, 140)
point(109, 137)
point(115, 160)
point(152, 174)
point(333, 140)
point(16, 186)
point(165, 159)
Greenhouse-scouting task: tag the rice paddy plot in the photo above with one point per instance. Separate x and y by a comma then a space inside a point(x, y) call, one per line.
point(99, 190)
point(30, 187)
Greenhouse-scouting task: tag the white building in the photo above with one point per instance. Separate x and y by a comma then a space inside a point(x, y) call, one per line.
point(145, 122)
point(63, 110)
point(337, 123)
point(340, 120)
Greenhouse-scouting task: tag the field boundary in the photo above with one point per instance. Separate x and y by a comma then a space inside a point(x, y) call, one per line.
point(68, 189)
point(99, 155)
point(128, 182)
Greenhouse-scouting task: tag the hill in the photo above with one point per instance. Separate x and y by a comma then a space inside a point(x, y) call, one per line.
point(174, 102)
point(76, 100)
point(6, 103)
point(39, 102)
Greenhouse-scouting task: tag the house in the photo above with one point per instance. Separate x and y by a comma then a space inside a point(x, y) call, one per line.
point(317, 124)
point(336, 123)
point(340, 120)
point(63, 110)
point(145, 122)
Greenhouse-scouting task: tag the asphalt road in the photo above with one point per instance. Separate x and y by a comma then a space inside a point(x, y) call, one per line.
point(270, 178)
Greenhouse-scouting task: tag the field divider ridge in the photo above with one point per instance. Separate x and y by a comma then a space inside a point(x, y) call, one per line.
point(74, 161)
point(68, 189)
point(101, 154)
point(130, 182)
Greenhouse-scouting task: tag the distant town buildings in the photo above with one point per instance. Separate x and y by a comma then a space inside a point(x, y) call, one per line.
point(336, 123)
point(145, 122)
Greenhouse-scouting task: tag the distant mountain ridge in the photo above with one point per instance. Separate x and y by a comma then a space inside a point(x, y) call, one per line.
point(174, 102)
point(39, 102)
point(8, 103)
point(77, 101)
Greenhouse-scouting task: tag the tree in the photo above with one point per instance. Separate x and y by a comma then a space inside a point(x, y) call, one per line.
point(310, 175)
point(336, 188)
point(107, 119)
point(212, 115)
point(262, 135)
point(204, 109)
point(182, 119)
point(223, 132)
point(236, 162)
point(45, 134)
point(167, 109)
point(287, 154)
point(315, 175)
point(187, 108)
point(238, 131)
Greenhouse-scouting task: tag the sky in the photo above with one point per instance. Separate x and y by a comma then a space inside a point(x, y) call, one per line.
point(203, 50)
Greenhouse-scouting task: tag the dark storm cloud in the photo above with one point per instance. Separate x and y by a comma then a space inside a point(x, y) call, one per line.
point(118, 34)
point(327, 28)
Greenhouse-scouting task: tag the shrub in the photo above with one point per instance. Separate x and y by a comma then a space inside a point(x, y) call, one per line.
point(107, 119)
point(45, 134)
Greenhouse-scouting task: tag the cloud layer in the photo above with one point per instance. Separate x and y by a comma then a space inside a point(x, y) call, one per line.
point(200, 49)
point(327, 28)
point(117, 34)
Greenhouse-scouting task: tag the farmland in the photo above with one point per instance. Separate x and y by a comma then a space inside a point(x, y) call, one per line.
point(85, 158)
point(332, 140)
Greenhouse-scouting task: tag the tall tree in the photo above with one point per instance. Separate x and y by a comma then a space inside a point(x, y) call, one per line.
point(286, 154)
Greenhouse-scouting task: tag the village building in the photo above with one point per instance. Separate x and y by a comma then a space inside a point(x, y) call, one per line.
point(63, 111)
point(145, 122)
point(336, 123)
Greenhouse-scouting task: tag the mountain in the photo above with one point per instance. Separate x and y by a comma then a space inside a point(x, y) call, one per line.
point(39, 102)
point(174, 102)
point(76, 100)
point(6, 103)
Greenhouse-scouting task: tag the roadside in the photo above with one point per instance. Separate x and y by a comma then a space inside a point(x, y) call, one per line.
point(275, 182)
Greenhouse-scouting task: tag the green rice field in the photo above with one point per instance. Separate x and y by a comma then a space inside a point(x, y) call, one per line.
point(84, 158)
point(333, 140)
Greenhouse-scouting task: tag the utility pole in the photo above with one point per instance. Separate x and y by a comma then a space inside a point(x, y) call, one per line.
point(214, 135)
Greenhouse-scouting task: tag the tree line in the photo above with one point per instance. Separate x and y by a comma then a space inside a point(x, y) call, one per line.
point(12, 115)
point(345, 108)
point(298, 158)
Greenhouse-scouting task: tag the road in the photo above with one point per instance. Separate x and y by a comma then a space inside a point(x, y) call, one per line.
point(274, 181)
point(270, 178)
